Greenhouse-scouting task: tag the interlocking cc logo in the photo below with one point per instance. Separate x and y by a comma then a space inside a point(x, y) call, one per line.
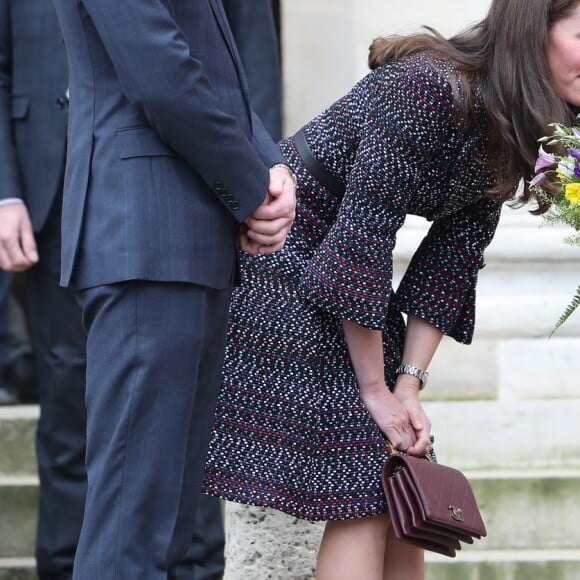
point(456, 513)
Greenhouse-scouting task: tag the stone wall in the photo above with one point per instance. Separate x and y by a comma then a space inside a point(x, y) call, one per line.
point(325, 43)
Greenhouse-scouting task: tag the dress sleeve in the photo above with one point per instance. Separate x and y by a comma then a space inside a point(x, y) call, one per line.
point(409, 119)
point(439, 284)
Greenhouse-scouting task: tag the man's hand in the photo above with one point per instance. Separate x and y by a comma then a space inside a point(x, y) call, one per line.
point(17, 244)
point(269, 225)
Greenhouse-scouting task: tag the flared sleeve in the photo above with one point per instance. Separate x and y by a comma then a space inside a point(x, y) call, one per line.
point(439, 284)
point(410, 118)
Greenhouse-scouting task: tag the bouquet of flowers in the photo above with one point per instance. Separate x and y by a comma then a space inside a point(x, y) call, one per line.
point(559, 173)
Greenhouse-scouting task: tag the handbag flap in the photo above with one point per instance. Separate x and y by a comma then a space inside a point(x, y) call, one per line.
point(445, 493)
point(403, 526)
point(406, 489)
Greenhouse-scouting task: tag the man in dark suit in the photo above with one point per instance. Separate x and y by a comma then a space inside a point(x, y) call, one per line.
point(165, 161)
point(33, 83)
point(254, 29)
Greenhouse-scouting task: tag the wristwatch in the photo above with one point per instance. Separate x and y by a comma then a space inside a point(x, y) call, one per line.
point(407, 369)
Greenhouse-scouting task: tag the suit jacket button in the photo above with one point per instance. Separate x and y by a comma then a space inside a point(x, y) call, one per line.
point(235, 205)
point(218, 186)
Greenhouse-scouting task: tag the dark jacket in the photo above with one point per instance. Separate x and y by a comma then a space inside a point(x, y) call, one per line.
point(32, 105)
point(165, 156)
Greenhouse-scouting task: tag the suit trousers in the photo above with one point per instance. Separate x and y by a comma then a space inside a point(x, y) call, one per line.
point(206, 553)
point(154, 360)
point(59, 344)
point(5, 284)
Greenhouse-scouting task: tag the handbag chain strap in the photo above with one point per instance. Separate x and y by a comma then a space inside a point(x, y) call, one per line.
point(394, 451)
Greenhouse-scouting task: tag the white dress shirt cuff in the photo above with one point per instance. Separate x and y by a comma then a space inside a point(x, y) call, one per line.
point(10, 200)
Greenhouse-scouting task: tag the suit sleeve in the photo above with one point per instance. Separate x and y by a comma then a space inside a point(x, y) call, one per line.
point(10, 186)
point(157, 72)
point(261, 141)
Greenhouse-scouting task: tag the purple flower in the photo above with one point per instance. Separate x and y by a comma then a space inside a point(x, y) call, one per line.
point(538, 180)
point(577, 170)
point(544, 160)
point(575, 153)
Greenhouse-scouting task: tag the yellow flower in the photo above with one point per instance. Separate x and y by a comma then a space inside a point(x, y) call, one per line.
point(572, 192)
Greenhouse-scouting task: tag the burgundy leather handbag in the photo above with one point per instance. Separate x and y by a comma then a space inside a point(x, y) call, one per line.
point(431, 505)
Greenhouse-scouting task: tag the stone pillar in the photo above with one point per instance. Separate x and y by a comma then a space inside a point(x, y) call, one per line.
point(317, 55)
point(264, 544)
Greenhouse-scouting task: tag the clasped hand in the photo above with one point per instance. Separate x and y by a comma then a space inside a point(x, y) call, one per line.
point(17, 244)
point(400, 417)
point(265, 231)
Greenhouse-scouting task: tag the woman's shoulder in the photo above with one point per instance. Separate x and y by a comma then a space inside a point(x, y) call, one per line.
point(428, 84)
point(419, 71)
point(415, 87)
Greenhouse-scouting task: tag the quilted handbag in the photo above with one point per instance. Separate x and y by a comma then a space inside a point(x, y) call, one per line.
point(431, 505)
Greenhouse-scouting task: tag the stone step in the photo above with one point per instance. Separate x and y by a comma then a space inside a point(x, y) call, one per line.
point(535, 514)
point(496, 565)
point(507, 434)
point(506, 565)
point(468, 434)
point(496, 369)
point(527, 513)
point(535, 505)
point(17, 569)
point(17, 435)
point(500, 369)
point(269, 544)
point(18, 509)
point(533, 510)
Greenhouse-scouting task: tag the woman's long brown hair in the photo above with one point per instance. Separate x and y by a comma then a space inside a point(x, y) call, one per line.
point(506, 54)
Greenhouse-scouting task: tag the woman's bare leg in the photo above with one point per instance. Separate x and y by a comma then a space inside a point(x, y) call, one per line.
point(402, 561)
point(353, 549)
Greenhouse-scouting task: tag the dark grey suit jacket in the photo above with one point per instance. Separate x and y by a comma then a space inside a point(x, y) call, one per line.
point(32, 113)
point(165, 156)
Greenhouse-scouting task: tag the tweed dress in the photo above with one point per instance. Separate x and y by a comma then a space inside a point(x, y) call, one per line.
point(291, 431)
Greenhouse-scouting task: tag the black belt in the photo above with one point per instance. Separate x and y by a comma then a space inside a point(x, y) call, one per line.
point(318, 171)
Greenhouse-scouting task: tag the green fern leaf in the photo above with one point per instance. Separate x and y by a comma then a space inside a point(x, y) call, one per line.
point(568, 312)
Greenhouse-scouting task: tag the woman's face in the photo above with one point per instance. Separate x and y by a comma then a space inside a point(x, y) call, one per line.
point(564, 56)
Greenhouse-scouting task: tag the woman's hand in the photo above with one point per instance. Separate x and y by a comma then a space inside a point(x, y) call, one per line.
point(399, 415)
point(390, 415)
point(407, 393)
